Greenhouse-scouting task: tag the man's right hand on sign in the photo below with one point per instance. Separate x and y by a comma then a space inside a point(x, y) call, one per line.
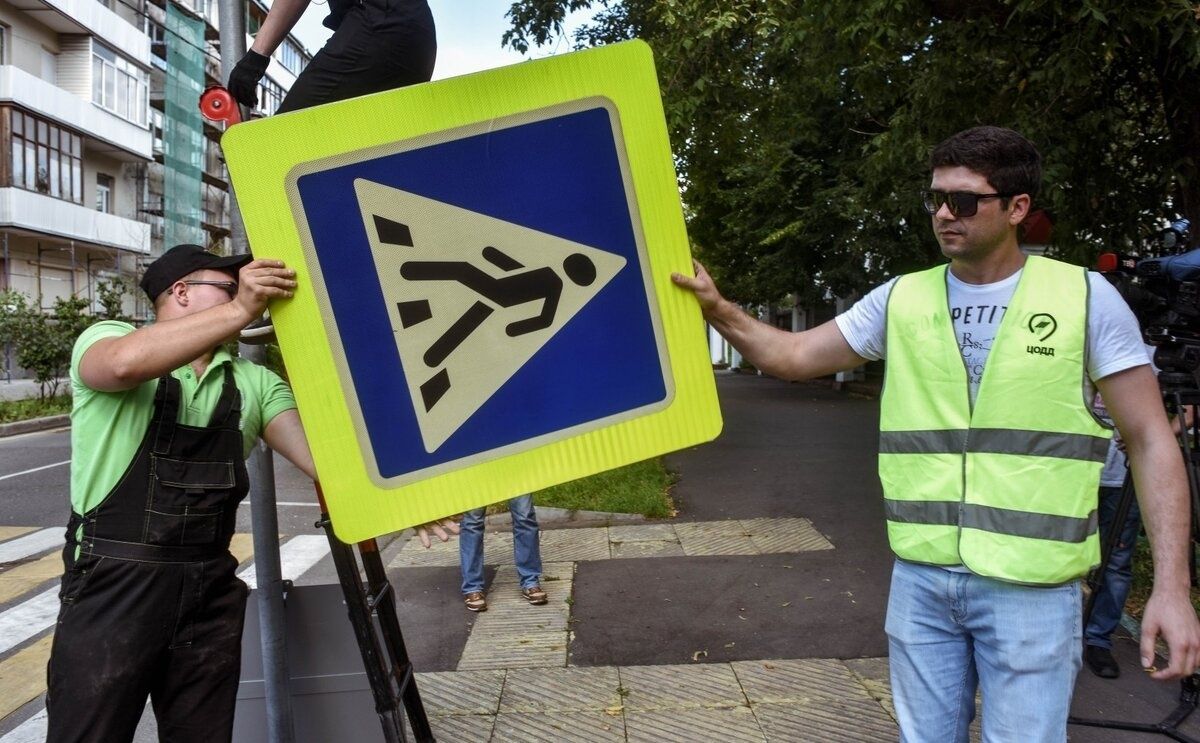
point(259, 282)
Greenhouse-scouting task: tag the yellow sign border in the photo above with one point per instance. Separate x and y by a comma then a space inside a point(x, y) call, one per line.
point(261, 156)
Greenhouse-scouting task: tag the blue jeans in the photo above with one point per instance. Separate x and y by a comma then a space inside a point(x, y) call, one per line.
point(527, 551)
point(1118, 576)
point(950, 633)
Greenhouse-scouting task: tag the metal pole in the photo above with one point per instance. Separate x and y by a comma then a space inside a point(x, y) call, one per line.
point(7, 285)
point(232, 18)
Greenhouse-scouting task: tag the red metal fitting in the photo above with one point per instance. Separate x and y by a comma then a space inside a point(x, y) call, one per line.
point(217, 104)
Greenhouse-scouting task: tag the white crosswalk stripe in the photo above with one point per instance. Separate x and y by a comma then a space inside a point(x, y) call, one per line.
point(28, 618)
point(296, 557)
point(33, 616)
point(32, 730)
point(31, 544)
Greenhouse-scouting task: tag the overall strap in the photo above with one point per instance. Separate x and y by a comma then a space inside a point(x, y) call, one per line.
point(228, 412)
point(166, 413)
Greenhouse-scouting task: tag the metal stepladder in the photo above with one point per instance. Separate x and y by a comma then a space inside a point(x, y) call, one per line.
point(371, 605)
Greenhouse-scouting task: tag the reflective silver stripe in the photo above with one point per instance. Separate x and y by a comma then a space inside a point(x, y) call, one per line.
point(937, 512)
point(996, 520)
point(996, 441)
point(1038, 443)
point(1034, 525)
point(949, 441)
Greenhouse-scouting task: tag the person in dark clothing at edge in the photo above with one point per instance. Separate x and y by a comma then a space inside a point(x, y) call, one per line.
point(376, 45)
point(162, 420)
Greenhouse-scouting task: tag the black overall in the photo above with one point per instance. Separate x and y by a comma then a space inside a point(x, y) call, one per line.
point(151, 605)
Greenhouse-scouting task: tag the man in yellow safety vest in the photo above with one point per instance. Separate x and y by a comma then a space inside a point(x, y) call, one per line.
point(990, 455)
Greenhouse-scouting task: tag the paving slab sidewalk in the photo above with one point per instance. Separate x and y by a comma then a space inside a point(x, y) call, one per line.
point(757, 614)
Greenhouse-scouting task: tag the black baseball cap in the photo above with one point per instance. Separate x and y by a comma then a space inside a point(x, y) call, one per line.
point(181, 260)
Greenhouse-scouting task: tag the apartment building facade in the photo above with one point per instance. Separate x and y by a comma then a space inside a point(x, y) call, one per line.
point(104, 159)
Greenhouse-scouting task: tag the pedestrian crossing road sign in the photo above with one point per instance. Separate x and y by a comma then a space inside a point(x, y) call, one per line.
point(485, 305)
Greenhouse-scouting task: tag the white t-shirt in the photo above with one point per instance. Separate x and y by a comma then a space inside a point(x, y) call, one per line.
point(1114, 341)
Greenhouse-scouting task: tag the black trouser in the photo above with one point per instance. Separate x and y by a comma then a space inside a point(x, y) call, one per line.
point(379, 45)
point(130, 629)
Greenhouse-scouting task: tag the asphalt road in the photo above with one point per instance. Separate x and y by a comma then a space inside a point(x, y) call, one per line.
point(35, 486)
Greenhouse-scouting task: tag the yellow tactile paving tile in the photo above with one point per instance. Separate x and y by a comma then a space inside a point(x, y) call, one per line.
point(242, 547)
point(28, 576)
point(12, 532)
point(23, 675)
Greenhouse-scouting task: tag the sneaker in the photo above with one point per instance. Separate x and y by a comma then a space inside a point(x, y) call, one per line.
point(258, 333)
point(475, 601)
point(534, 595)
point(1101, 662)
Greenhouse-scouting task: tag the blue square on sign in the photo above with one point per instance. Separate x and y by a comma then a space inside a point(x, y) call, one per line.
point(560, 172)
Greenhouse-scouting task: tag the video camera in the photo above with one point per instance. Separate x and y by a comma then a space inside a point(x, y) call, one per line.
point(1164, 293)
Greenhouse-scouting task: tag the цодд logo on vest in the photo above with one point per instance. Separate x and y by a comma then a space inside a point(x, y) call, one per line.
point(1042, 325)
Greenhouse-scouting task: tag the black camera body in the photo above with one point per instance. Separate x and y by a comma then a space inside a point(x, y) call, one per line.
point(1164, 293)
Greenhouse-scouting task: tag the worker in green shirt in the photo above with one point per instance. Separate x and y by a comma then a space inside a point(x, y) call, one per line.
point(163, 418)
point(162, 421)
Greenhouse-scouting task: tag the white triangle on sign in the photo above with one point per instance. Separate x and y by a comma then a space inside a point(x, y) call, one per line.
point(471, 298)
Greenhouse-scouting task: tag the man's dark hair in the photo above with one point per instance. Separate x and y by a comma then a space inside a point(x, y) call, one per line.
point(1009, 161)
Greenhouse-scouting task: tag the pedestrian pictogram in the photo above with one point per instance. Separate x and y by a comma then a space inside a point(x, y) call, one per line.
point(485, 306)
point(518, 287)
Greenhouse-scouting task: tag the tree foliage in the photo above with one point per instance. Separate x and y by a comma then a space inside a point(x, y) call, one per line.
point(802, 128)
point(43, 340)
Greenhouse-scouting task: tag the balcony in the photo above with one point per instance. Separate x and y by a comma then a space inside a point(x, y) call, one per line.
point(35, 213)
point(89, 16)
point(131, 142)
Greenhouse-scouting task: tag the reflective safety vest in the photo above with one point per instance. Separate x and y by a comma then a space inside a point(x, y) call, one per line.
point(1009, 488)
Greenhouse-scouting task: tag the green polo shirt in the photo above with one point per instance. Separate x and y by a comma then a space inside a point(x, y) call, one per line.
point(108, 427)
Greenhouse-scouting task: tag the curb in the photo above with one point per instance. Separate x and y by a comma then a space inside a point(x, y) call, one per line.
point(569, 517)
point(35, 424)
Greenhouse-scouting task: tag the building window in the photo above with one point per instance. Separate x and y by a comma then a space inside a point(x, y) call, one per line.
point(45, 157)
point(156, 130)
point(158, 43)
point(270, 95)
point(104, 189)
point(254, 19)
point(119, 85)
point(291, 57)
point(4, 32)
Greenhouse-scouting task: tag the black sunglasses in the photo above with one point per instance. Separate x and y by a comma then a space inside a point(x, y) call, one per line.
point(230, 287)
point(961, 203)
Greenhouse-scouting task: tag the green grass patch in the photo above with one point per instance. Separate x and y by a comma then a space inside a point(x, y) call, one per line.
point(1143, 581)
point(643, 487)
point(21, 410)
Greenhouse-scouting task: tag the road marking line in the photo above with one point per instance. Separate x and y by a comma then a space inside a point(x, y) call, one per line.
point(28, 618)
point(32, 730)
point(12, 532)
point(24, 578)
point(32, 544)
point(296, 557)
point(35, 469)
point(24, 676)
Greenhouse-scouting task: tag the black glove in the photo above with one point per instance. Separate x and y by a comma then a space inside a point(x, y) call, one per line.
point(243, 81)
